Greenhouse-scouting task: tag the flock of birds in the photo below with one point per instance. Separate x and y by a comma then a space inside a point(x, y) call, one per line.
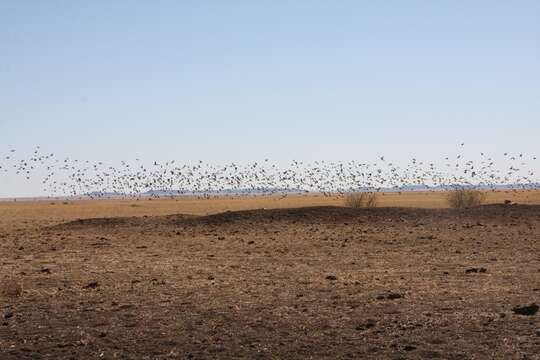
point(61, 177)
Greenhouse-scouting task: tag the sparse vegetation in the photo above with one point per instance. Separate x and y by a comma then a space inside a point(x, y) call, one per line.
point(464, 198)
point(361, 200)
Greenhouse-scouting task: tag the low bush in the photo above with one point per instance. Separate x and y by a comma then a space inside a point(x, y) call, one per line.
point(465, 198)
point(361, 200)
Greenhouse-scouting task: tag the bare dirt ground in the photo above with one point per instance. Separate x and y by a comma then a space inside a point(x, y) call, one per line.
point(302, 278)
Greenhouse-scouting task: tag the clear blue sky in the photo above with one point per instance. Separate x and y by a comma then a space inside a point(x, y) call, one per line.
point(247, 80)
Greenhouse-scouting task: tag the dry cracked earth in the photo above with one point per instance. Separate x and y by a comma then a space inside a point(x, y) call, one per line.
point(308, 283)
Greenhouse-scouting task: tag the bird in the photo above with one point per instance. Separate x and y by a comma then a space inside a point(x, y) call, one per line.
point(67, 176)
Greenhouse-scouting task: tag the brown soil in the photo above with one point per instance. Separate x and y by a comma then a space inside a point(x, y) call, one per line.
point(313, 282)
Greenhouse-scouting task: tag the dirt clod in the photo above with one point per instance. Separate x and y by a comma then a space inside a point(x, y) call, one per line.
point(369, 324)
point(91, 285)
point(8, 315)
point(393, 296)
point(527, 310)
point(475, 270)
point(10, 288)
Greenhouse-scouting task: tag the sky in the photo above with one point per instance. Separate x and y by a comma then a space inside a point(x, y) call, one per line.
point(246, 80)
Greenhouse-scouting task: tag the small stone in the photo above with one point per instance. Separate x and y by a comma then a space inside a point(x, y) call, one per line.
point(331, 277)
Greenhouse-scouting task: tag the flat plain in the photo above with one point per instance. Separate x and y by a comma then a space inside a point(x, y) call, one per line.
point(271, 278)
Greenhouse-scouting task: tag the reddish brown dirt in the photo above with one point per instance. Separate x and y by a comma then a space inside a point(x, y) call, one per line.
point(323, 282)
